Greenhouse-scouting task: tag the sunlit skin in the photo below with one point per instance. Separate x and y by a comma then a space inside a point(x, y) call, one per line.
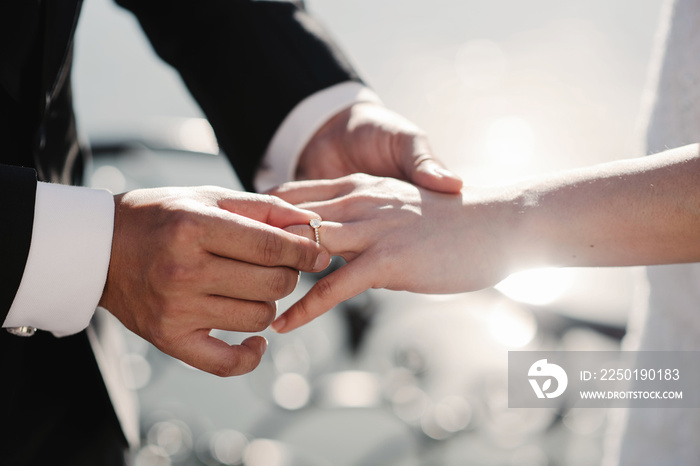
point(185, 261)
point(370, 138)
point(398, 236)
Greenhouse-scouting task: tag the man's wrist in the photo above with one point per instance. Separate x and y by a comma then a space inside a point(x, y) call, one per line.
point(301, 124)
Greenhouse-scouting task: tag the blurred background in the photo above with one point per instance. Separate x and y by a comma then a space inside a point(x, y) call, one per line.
point(505, 89)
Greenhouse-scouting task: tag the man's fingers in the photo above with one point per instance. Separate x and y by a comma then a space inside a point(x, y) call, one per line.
point(426, 172)
point(422, 168)
point(346, 282)
point(250, 241)
point(235, 315)
point(266, 209)
point(218, 357)
point(242, 280)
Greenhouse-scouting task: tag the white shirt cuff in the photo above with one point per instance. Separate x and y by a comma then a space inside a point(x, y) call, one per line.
point(66, 269)
point(282, 155)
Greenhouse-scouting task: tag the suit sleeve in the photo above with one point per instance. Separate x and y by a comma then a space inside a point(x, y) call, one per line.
point(18, 193)
point(247, 63)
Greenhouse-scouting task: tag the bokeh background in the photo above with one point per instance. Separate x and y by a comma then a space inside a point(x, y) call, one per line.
point(505, 89)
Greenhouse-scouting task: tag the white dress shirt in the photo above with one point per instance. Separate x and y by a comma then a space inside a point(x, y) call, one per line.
point(69, 255)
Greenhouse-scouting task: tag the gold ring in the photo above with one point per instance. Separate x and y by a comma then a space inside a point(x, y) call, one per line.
point(315, 223)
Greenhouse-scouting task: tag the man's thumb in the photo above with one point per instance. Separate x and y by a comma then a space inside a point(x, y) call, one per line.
point(429, 174)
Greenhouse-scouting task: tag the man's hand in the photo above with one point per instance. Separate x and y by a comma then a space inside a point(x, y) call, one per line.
point(369, 138)
point(188, 260)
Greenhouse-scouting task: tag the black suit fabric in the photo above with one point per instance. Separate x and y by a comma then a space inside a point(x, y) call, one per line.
point(248, 63)
point(17, 190)
point(56, 410)
point(37, 125)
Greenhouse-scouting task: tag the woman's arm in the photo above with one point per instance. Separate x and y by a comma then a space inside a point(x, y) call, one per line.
point(642, 211)
point(398, 236)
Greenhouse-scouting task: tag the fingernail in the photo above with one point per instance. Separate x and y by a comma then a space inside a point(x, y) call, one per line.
point(443, 172)
point(279, 323)
point(264, 345)
point(322, 261)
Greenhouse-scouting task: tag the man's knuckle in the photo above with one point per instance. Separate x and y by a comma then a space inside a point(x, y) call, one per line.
point(282, 283)
point(225, 367)
point(235, 364)
point(270, 249)
point(161, 337)
point(264, 316)
point(175, 273)
point(421, 158)
point(183, 227)
point(301, 254)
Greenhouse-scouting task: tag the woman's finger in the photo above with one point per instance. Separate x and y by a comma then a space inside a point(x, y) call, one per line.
point(346, 282)
point(339, 239)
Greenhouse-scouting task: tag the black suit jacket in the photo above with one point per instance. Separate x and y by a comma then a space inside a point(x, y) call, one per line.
point(247, 63)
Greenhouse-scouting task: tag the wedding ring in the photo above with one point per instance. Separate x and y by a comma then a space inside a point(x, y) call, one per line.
point(315, 223)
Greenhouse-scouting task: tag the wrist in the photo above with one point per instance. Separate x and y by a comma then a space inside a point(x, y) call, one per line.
point(298, 128)
point(104, 302)
point(494, 234)
point(537, 232)
point(328, 153)
point(522, 230)
point(324, 141)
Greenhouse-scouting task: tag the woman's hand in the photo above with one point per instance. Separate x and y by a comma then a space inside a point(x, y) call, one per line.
point(398, 236)
point(642, 211)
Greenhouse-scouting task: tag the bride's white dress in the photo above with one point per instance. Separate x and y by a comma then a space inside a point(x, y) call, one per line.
point(668, 317)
